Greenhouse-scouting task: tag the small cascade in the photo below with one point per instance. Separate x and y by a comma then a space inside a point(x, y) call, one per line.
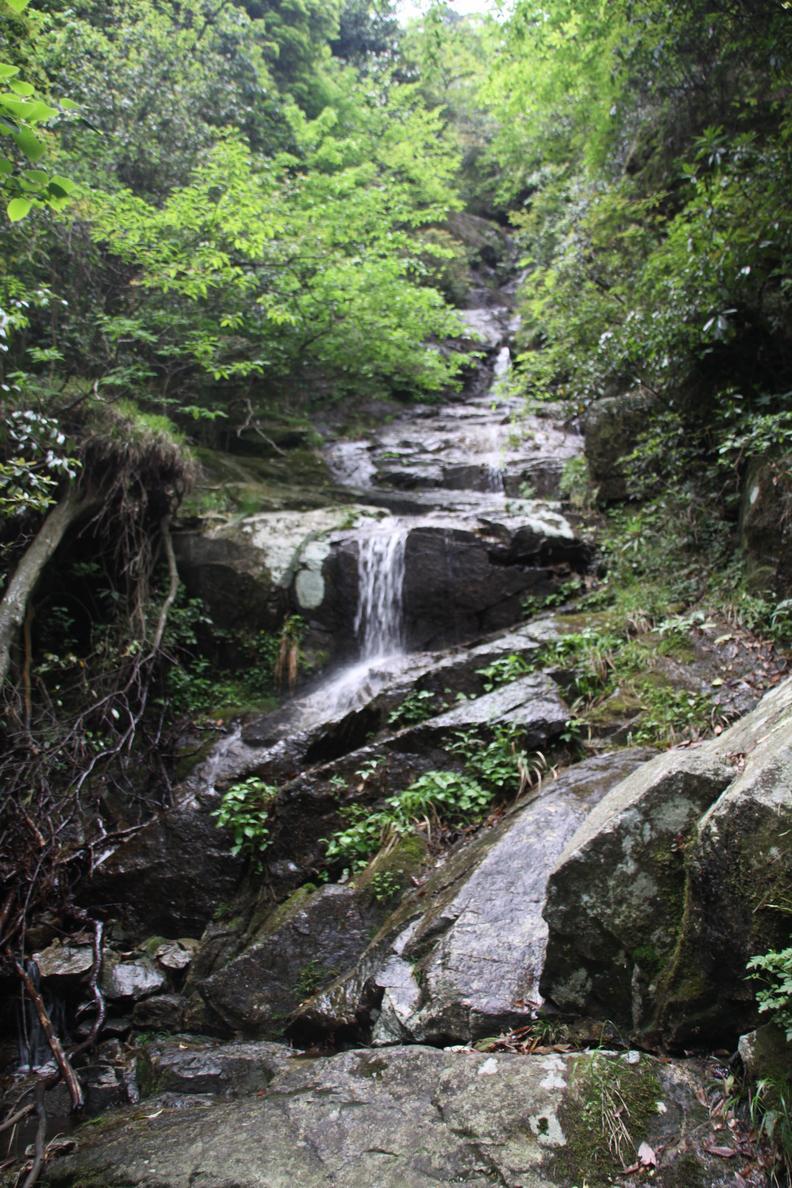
point(33, 1047)
point(379, 620)
point(502, 364)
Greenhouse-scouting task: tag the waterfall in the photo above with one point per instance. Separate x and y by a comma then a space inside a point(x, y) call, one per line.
point(379, 624)
point(33, 1047)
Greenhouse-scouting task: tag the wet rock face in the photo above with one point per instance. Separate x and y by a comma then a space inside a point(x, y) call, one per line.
point(403, 1118)
point(171, 875)
point(461, 957)
point(665, 892)
point(465, 575)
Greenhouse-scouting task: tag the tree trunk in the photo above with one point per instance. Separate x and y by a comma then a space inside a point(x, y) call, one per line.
point(23, 582)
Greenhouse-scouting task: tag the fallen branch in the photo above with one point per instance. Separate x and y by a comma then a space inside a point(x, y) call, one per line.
point(13, 606)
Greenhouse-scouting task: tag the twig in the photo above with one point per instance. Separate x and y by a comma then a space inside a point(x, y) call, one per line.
point(12, 1119)
point(41, 1134)
point(96, 972)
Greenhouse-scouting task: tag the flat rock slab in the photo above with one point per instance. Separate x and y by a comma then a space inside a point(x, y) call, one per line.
point(402, 1118)
point(533, 704)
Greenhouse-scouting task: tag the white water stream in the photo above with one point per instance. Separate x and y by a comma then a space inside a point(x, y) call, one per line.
point(379, 619)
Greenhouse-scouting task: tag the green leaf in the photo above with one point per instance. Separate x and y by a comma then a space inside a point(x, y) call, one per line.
point(6, 167)
point(23, 88)
point(17, 6)
point(34, 179)
point(29, 144)
point(7, 71)
point(64, 184)
point(18, 208)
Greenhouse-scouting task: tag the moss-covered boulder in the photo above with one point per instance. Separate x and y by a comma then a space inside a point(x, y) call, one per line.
point(615, 898)
point(408, 1117)
point(299, 947)
point(612, 428)
point(766, 525)
point(675, 880)
point(739, 884)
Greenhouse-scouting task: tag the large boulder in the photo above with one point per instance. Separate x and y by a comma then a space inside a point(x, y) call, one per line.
point(409, 1117)
point(739, 877)
point(243, 567)
point(612, 429)
point(673, 883)
point(766, 525)
point(461, 957)
point(170, 875)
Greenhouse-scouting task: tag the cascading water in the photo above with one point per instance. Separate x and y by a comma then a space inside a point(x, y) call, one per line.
point(378, 624)
point(379, 621)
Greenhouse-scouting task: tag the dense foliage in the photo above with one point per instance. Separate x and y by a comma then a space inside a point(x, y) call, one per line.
point(645, 151)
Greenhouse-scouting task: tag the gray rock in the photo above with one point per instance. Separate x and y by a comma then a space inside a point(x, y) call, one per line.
point(405, 1118)
point(531, 703)
point(171, 875)
point(242, 566)
point(461, 957)
point(188, 1065)
point(176, 955)
point(162, 1012)
point(739, 869)
point(766, 1053)
point(64, 961)
point(303, 945)
point(132, 979)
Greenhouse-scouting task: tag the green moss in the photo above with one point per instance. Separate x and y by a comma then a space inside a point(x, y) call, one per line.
point(604, 1088)
point(403, 859)
point(311, 977)
point(648, 958)
point(268, 919)
point(188, 759)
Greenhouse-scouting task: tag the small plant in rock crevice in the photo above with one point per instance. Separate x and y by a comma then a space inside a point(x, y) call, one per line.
point(434, 799)
point(244, 810)
point(416, 707)
point(385, 886)
point(504, 670)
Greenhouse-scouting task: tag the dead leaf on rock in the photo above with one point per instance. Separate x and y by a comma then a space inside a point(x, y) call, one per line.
point(646, 1156)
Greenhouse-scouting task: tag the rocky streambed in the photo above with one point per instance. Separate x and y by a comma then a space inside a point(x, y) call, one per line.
point(527, 1002)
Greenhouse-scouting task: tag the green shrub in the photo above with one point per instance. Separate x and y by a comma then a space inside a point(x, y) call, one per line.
point(774, 969)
